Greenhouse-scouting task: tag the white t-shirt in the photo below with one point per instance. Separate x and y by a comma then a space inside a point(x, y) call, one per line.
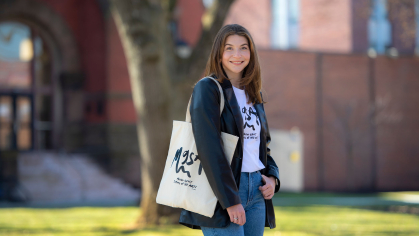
point(251, 134)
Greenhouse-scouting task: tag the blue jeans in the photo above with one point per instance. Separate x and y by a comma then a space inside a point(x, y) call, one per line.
point(254, 206)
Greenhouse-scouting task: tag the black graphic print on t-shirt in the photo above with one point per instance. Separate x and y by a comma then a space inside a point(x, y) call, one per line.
point(248, 117)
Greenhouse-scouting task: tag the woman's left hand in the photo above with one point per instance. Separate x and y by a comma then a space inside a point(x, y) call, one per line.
point(268, 189)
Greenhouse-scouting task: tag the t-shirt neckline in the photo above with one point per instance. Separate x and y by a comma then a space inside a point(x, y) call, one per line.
point(239, 90)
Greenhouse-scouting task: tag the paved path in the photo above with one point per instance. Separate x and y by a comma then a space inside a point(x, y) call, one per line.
point(392, 199)
point(66, 204)
point(396, 199)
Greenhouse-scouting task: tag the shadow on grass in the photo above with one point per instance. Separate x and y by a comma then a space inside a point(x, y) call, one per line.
point(401, 209)
point(4, 230)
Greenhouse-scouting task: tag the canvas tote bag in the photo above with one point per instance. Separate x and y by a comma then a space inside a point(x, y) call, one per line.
point(184, 183)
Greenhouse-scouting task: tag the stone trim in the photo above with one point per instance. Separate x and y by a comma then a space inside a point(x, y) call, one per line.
point(50, 25)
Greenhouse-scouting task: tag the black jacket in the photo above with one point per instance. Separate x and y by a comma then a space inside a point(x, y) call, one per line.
point(223, 178)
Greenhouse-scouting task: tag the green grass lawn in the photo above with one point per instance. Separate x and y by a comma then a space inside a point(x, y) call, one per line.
point(291, 220)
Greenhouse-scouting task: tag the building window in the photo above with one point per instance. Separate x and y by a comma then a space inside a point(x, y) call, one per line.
point(285, 24)
point(207, 3)
point(379, 28)
point(26, 89)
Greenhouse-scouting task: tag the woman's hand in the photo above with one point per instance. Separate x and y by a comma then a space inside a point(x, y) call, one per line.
point(237, 214)
point(268, 189)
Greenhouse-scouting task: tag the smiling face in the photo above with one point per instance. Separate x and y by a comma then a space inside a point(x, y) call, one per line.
point(236, 56)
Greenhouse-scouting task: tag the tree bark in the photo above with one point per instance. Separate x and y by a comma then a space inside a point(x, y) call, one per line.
point(192, 68)
point(160, 87)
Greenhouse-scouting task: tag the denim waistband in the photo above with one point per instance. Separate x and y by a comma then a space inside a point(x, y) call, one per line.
point(254, 172)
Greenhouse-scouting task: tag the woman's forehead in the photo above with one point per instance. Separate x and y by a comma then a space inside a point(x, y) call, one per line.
point(236, 40)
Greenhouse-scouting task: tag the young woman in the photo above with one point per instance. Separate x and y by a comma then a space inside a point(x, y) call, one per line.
point(244, 189)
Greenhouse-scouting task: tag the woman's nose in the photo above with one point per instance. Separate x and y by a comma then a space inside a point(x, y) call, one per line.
point(236, 53)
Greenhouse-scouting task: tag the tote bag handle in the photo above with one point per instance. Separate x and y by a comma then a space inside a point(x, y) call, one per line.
point(188, 114)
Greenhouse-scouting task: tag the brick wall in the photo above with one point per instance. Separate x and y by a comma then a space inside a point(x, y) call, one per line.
point(346, 139)
point(397, 100)
point(325, 25)
point(331, 98)
point(289, 82)
point(87, 24)
point(255, 16)
point(257, 19)
point(120, 106)
point(360, 16)
point(189, 22)
point(105, 129)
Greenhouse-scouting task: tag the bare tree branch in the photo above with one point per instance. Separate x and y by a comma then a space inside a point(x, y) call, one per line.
point(195, 64)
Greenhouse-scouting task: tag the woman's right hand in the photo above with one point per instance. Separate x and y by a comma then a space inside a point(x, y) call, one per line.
point(237, 214)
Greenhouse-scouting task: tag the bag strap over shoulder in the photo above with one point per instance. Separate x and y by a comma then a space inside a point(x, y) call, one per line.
point(188, 114)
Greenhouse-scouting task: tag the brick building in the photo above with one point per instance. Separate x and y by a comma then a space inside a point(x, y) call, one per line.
point(326, 71)
point(343, 73)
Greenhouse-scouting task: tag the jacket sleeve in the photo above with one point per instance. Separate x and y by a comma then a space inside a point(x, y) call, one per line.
point(205, 118)
point(272, 168)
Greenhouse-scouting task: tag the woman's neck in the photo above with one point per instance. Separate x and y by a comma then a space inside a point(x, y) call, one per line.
point(235, 80)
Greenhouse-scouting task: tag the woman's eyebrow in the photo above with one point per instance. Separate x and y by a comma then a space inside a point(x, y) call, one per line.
point(227, 44)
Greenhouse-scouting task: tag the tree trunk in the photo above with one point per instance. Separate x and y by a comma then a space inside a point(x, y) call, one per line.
point(142, 28)
point(160, 87)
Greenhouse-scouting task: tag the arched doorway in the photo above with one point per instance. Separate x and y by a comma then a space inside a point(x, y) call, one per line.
point(55, 78)
point(26, 89)
point(41, 93)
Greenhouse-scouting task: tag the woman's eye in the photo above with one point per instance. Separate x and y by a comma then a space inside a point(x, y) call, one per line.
point(244, 48)
point(229, 48)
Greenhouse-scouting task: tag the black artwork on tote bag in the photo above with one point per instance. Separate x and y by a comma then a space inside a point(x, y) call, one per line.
point(186, 154)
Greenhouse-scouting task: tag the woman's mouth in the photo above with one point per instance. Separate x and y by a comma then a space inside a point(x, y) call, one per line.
point(236, 62)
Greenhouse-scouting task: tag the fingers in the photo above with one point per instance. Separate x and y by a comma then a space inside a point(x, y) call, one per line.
point(237, 214)
point(264, 187)
point(239, 218)
point(243, 219)
point(269, 196)
point(264, 179)
point(267, 191)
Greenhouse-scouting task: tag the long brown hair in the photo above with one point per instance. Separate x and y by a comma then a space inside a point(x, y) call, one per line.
point(251, 78)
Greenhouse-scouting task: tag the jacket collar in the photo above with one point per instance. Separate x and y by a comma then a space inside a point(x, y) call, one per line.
point(235, 108)
point(262, 118)
point(260, 111)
